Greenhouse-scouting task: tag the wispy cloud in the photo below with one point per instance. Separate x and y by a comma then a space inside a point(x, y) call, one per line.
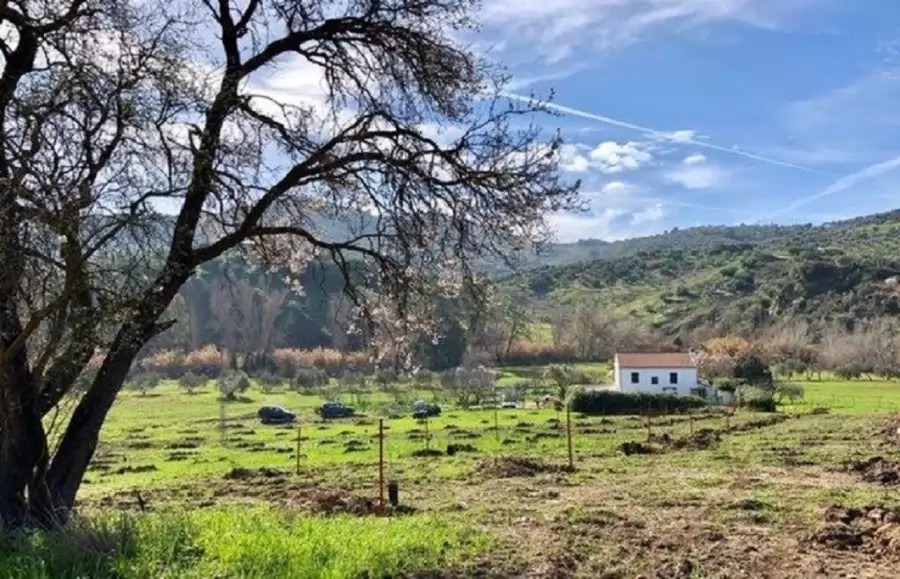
point(682, 136)
point(558, 29)
point(843, 184)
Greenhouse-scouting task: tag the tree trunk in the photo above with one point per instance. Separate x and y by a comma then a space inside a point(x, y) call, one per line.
point(23, 442)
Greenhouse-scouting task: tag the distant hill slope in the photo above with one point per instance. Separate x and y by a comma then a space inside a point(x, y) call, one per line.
point(734, 277)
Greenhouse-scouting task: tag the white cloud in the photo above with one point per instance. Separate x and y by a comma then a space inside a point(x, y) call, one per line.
point(648, 215)
point(695, 159)
point(572, 227)
point(607, 157)
point(697, 176)
point(682, 135)
point(559, 29)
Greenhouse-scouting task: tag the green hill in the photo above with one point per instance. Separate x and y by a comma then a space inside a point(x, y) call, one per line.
point(734, 278)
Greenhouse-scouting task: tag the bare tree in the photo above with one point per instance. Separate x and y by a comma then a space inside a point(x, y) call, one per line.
point(143, 139)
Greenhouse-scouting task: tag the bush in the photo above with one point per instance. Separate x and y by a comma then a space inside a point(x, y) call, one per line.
point(144, 382)
point(758, 399)
point(207, 361)
point(267, 381)
point(753, 370)
point(191, 382)
point(789, 392)
point(233, 383)
point(288, 361)
point(613, 402)
point(310, 379)
point(538, 353)
point(728, 384)
point(166, 363)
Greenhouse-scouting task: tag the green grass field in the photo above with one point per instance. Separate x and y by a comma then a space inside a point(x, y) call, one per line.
point(227, 502)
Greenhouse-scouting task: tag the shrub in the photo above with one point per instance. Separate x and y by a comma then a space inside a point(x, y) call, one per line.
point(191, 382)
point(144, 382)
point(753, 370)
point(207, 361)
point(167, 363)
point(790, 392)
point(267, 381)
point(613, 402)
point(287, 361)
point(758, 399)
point(310, 379)
point(526, 353)
point(233, 383)
point(728, 384)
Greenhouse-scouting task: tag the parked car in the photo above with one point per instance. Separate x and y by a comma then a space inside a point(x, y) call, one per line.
point(508, 404)
point(335, 410)
point(422, 409)
point(275, 415)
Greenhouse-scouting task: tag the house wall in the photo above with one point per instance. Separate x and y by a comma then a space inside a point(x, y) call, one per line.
point(687, 379)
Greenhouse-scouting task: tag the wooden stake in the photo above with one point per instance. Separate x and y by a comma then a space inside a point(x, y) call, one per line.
point(691, 420)
point(298, 449)
point(427, 435)
point(496, 421)
point(569, 435)
point(381, 464)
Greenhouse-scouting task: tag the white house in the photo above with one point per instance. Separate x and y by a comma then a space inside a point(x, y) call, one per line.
point(663, 373)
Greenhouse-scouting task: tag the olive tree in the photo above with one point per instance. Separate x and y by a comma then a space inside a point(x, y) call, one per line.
point(143, 139)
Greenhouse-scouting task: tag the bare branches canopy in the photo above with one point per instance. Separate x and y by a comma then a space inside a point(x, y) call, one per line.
point(141, 139)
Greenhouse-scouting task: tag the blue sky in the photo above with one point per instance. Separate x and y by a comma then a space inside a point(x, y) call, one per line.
point(689, 112)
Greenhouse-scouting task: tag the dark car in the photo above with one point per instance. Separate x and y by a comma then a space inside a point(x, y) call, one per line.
point(335, 410)
point(275, 415)
point(422, 409)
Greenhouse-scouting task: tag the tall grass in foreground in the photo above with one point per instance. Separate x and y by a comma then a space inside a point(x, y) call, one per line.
point(239, 543)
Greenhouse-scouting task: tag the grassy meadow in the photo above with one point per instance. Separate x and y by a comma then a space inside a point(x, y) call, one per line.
point(171, 493)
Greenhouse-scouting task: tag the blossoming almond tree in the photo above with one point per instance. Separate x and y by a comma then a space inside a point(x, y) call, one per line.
point(142, 139)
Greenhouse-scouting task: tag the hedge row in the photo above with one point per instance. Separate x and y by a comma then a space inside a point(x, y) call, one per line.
point(612, 402)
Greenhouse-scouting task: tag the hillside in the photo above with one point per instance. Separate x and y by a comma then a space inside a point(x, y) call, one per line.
point(736, 277)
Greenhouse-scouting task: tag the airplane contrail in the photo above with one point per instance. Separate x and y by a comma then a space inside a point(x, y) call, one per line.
point(842, 184)
point(662, 134)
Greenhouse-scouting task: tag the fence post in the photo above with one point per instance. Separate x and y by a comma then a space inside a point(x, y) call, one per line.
point(569, 434)
point(427, 435)
point(496, 420)
point(381, 465)
point(649, 431)
point(691, 421)
point(298, 449)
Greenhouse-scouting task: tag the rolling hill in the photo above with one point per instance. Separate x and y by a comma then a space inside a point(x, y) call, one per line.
point(733, 278)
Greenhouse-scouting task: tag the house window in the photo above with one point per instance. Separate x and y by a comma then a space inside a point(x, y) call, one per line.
point(673, 377)
point(654, 380)
point(635, 377)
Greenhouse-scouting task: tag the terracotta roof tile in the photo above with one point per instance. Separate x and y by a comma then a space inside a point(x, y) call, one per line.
point(658, 360)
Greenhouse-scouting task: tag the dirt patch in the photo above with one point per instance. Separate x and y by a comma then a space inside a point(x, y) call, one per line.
point(757, 424)
point(135, 469)
point(239, 473)
point(872, 529)
point(355, 446)
point(700, 440)
point(465, 434)
point(890, 432)
point(252, 446)
point(630, 448)
point(455, 448)
point(513, 466)
point(876, 470)
point(189, 442)
point(426, 452)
